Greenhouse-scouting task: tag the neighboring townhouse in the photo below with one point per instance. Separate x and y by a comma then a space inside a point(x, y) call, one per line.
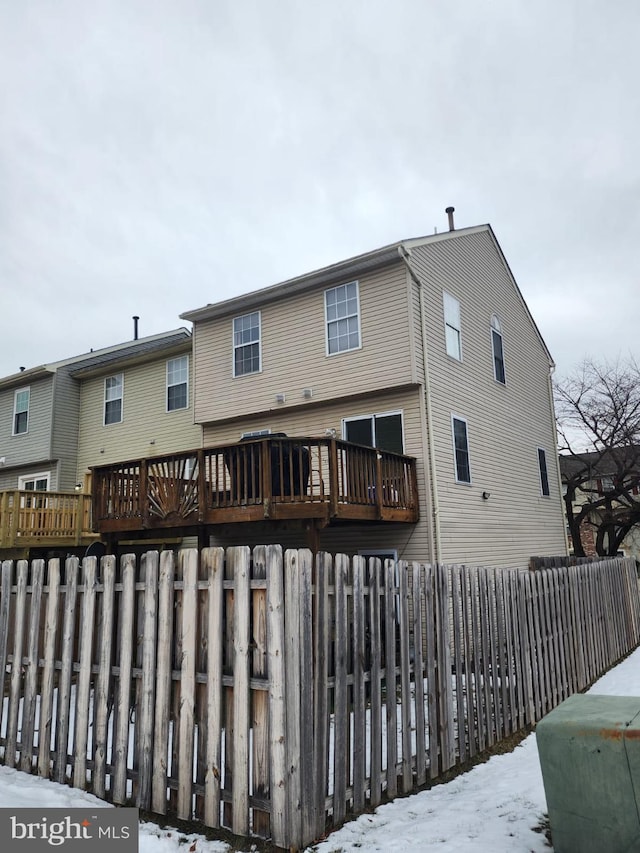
point(136, 402)
point(424, 347)
point(602, 501)
point(57, 420)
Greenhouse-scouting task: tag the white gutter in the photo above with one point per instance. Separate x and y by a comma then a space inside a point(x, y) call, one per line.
point(435, 543)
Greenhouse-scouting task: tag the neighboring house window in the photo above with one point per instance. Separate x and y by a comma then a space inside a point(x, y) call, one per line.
point(21, 411)
point(383, 431)
point(177, 383)
point(461, 450)
point(452, 326)
point(544, 477)
point(498, 353)
point(246, 344)
point(113, 399)
point(33, 483)
point(342, 311)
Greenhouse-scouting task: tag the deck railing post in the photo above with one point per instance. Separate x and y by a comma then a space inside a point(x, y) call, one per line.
point(265, 478)
point(333, 477)
point(378, 484)
point(143, 493)
point(4, 518)
point(203, 503)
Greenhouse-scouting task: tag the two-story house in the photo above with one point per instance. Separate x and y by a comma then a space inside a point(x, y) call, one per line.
point(423, 349)
point(59, 419)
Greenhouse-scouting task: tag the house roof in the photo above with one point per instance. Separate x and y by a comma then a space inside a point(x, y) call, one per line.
point(91, 361)
point(143, 349)
point(352, 267)
point(600, 464)
point(326, 275)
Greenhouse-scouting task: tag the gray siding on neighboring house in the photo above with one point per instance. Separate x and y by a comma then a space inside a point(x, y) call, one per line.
point(294, 353)
point(35, 444)
point(506, 423)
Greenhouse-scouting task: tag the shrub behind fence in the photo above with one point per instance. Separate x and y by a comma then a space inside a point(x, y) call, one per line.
point(277, 694)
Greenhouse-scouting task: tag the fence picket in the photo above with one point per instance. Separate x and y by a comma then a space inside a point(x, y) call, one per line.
point(31, 669)
point(102, 692)
point(83, 688)
point(461, 656)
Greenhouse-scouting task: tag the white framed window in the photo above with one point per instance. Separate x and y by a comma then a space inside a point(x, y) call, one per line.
point(113, 395)
point(497, 350)
point(342, 318)
point(177, 383)
point(247, 356)
point(461, 449)
point(452, 327)
point(384, 430)
point(544, 476)
point(35, 482)
point(21, 400)
point(39, 482)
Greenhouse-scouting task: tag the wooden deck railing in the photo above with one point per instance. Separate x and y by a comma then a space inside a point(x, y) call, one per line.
point(30, 519)
point(268, 478)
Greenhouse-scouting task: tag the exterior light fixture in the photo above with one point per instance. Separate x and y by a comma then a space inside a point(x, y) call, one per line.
point(486, 496)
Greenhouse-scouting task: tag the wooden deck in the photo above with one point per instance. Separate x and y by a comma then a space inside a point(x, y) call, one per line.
point(31, 519)
point(273, 478)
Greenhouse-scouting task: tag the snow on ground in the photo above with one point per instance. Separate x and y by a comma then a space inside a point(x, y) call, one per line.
point(494, 808)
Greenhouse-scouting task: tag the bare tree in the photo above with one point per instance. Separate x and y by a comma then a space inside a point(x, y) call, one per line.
point(598, 410)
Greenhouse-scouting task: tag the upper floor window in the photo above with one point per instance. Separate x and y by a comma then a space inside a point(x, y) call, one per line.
point(452, 328)
point(461, 449)
point(177, 383)
point(21, 411)
point(498, 354)
point(544, 476)
point(246, 344)
point(342, 312)
point(113, 388)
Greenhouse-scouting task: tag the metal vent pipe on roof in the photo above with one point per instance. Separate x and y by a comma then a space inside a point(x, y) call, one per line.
point(135, 328)
point(449, 212)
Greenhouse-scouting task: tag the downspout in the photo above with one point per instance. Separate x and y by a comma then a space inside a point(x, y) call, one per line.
point(436, 548)
point(558, 471)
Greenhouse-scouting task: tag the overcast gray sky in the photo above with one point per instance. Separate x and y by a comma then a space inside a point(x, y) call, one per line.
point(159, 155)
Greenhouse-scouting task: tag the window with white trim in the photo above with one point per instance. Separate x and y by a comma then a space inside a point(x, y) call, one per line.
point(452, 327)
point(383, 431)
point(34, 482)
point(461, 449)
point(544, 476)
point(342, 315)
point(177, 383)
point(246, 344)
point(113, 393)
point(498, 352)
point(21, 401)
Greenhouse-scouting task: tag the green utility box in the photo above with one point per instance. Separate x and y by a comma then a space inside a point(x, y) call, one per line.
point(589, 749)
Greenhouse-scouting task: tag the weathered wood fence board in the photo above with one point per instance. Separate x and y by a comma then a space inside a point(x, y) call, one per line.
point(277, 694)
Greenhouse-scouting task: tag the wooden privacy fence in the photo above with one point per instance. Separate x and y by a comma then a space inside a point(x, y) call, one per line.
point(277, 694)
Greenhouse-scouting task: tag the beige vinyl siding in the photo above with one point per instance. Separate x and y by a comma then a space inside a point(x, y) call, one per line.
point(411, 540)
point(35, 444)
point(147, 429)
point(66, 412)
point(294, 356)
point(506, 423)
